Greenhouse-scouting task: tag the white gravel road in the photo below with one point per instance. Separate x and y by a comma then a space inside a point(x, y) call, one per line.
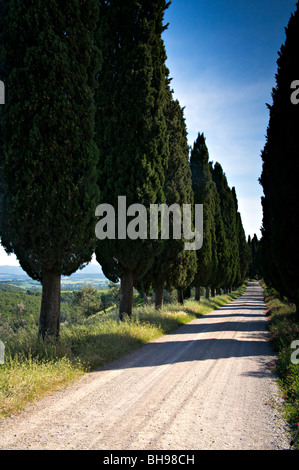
point(205, 386)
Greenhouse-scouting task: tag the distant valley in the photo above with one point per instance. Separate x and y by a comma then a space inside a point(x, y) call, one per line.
point(91, 275)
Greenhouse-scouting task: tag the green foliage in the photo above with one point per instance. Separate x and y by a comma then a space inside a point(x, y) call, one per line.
point(242, 246)
point(114, 291)
point(254, 268)
point(220, 275)
point(204, 192)
point(224, 257)
point(23, 381)
point(88, 300)
point(131, 131)
point(229, 217)
point(279, 178)
point(179, 264)
point(18, 307)
point(283, 330)
point(174, 266)
point(48, 156)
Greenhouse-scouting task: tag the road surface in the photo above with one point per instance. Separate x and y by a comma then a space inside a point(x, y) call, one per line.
point(205, 386)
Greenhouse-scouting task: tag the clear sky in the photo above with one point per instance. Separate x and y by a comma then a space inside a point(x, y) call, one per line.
point(222, 58)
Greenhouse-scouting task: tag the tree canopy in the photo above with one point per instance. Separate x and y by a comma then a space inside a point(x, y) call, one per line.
point(279, 244)
point(131, 131)
point(48, 155)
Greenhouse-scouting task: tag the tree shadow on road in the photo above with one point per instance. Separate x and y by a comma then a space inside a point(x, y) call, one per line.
point(160, 353)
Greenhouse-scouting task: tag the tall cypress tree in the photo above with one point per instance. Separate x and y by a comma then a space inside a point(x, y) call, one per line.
point(243, 249)
point(228, 212)
point(131, 131)
point(280, 253)
point(203, 189)
point(220, 275)
point(178, 190)
point(48, 156)
point(254, 268)
point(175, 267)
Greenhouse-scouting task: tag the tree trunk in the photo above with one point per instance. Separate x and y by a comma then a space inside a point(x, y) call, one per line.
point(207, 292)
point(197, 293)
point(159, 297)
point(126, 294)
point(187, 292)
point(180, 296)
point(213, 291)
point(49, 322)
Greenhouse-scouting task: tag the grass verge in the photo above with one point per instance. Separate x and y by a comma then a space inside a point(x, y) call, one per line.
point(283, 331)
point(34, 368)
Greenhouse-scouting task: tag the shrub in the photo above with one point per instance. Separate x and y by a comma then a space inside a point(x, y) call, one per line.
point(283, 330)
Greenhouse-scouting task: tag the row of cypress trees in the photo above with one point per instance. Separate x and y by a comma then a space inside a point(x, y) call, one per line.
point(254, 246)
point(279, 178)
point(90, 116)
point(223, 260)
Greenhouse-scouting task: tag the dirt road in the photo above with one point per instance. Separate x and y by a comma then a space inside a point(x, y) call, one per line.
point(205, 386)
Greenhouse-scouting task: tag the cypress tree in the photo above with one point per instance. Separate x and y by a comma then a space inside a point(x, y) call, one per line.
point(243, 250)
point(228, 212)
point(220, 275)
point(244, 254)
point(279, 245)
point(131, 130)
point(203, 189)
point(48, 156)
point(254, 268)
point(175, 267)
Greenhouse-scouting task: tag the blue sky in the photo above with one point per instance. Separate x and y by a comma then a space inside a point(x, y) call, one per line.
point(222, 58)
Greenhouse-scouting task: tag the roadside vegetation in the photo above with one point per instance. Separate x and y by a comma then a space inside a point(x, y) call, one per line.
point(283, 331)
point(34, 367)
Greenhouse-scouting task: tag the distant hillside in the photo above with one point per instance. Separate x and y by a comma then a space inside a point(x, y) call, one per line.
point(90, 275)
point(90, 269)
point(18, 271)
point(10, 288)
point(15, 270)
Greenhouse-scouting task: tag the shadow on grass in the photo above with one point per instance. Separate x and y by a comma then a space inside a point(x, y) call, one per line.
point(94, 351)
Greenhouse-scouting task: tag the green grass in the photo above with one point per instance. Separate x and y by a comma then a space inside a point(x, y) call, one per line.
point(34, 368)
point(24, 381)
point(283, 330)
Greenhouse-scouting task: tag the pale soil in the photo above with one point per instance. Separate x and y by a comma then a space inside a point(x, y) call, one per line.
point(205, 386)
